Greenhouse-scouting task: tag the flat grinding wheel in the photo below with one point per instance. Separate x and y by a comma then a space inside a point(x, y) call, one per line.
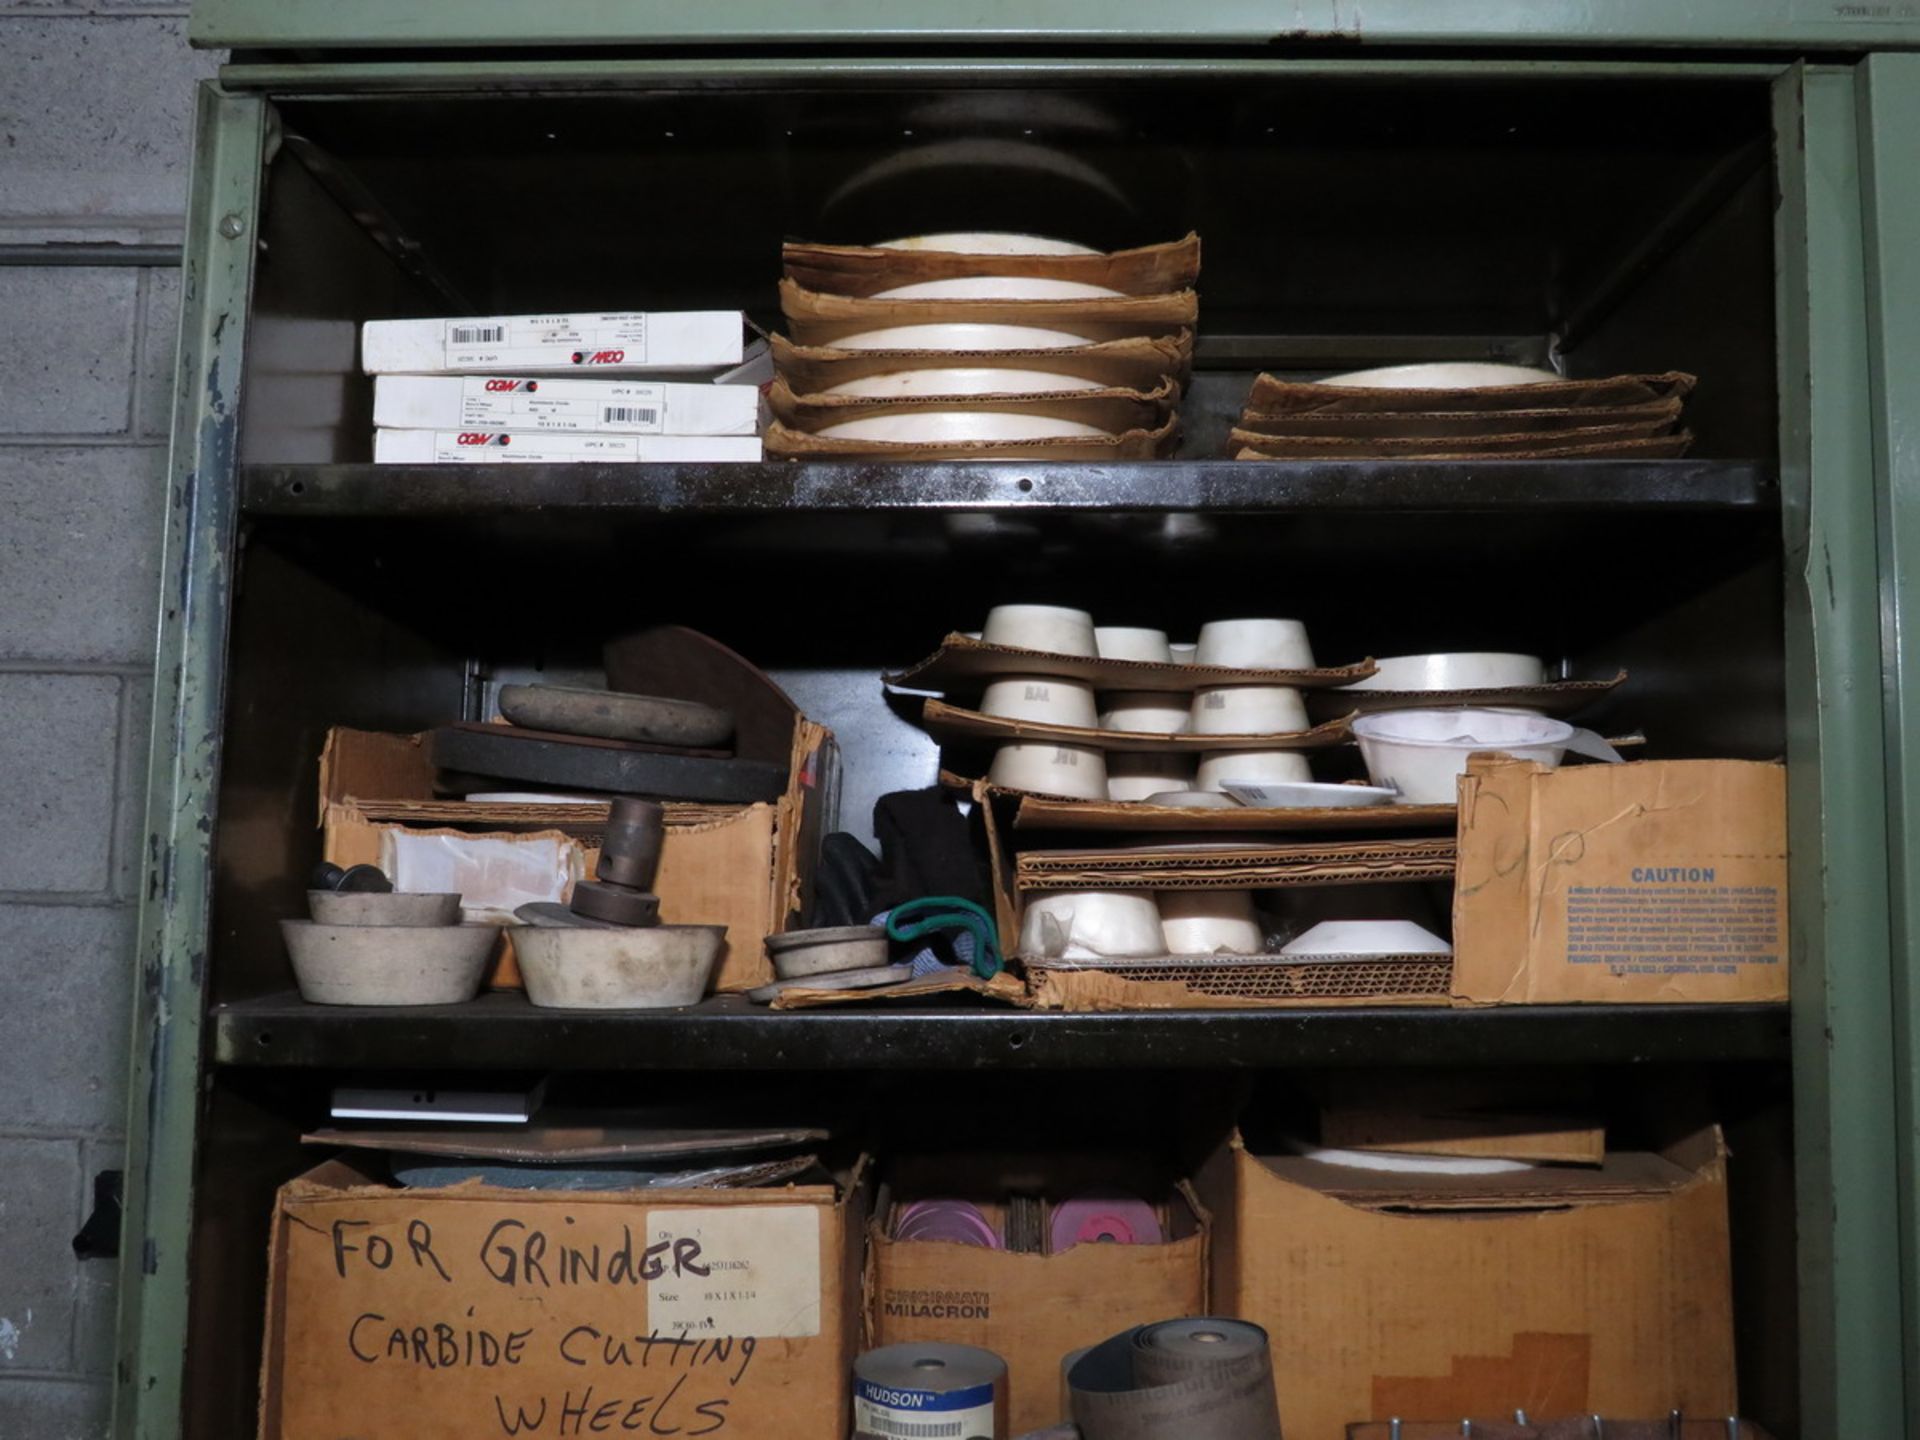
point(564, 766)
point(615, 715)
point(616, 904)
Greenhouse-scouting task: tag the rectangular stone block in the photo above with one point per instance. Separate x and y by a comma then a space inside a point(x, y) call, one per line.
point(68, 972)
point(57, 757)
point(38, 1181)
point(69, 336)
point(80, 551)
point(96, 113)
point(54, 1409)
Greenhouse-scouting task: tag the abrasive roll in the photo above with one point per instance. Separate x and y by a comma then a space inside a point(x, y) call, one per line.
point(1205, 1379)
point(929, 1391)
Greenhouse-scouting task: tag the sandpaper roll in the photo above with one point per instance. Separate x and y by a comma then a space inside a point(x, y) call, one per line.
point(1203, 1379)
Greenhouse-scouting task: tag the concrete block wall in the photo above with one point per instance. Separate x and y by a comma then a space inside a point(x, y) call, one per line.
point(95, 109)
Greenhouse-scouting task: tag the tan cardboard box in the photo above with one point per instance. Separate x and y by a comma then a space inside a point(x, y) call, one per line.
point(1030, 1310)
point(470, 1311)
point(742, 866)
point(1656, 880)
point(1568, 1291)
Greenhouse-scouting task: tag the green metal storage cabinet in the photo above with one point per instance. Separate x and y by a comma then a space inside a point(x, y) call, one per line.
point(1734, 187)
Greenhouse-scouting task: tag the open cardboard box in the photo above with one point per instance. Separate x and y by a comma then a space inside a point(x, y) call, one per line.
point(445, 1314)
point(1564, 1290)
point(1647, 882)
point(748, 867)
point(1031, 1309)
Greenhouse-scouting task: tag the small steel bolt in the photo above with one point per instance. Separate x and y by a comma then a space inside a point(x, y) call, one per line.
point(232, 226)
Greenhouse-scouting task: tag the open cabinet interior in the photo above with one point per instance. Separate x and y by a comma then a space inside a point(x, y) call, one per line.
point(1594, 225)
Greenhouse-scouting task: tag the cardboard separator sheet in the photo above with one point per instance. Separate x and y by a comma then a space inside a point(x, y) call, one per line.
point(1437, 424)
point(950, 722)
point(862, 270)
point(1237, 982)
point(1003, 988)
point(1271, 395)
point(1115, 411)
point(783, 442)
point(1230, 866)
point(1629, 439)
point(1658, 447)
point(1041, 812)
point(544, 1142)
point(963, 665)
point(1139, 363)
point(1558, 697)
point(814, 318)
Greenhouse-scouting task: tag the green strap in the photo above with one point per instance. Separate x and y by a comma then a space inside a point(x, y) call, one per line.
point(950, 912)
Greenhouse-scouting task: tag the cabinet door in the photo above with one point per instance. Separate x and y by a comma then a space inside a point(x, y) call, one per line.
point(1846, 1047)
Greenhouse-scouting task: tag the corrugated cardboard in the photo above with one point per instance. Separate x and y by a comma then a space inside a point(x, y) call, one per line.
point(1133, 363)
point(1238, 982)
point(952, 722)
point(783, 442)
point(1115, 411)
point(744, 867)
point(817, 319)
point(1040, 813)
point(1572, 1291)
point(661, 1311)
point(1274, 396)
point(866, 270)
point(1648, 440)
point(1432, 424)
point(1658, 447)
point(1652, 881)
point(1546, 1117)
point(1230, 865)
point(964, 663)
point(1555, 697)
point(1031, 1309)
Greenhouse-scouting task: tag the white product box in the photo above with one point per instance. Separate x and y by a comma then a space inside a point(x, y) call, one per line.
point(506, 447)
point(623, 341)
point(605, 407)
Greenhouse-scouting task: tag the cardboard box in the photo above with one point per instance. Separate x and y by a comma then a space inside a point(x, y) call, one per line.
point(1030, 1309)
point(448, 1314)
point(1568, 1291)
point(814, 318)
point(747, 867)
point(612, 342)
point(535, 447)
point(1651, 881)
point(786, 443)
point(1137, 363)
point(605, 407)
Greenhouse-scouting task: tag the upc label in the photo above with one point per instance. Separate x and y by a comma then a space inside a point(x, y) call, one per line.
point(889, 1412)
point(587, 342)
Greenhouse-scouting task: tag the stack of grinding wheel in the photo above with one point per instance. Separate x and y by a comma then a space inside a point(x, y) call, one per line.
point(1464, 411)
point(988, 346)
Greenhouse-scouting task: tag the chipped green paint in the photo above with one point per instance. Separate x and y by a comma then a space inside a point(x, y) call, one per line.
point(1850, 1310)
point(183, 770)
point(1889, 139)
point(1328, 26)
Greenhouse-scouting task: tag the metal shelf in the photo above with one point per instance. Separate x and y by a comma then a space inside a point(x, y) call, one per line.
point(1456, 487)
point(503, 1031)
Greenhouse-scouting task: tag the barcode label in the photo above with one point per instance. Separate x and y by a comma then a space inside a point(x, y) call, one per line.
point(477, 335)
point(629, 415)
point(881, 1423)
